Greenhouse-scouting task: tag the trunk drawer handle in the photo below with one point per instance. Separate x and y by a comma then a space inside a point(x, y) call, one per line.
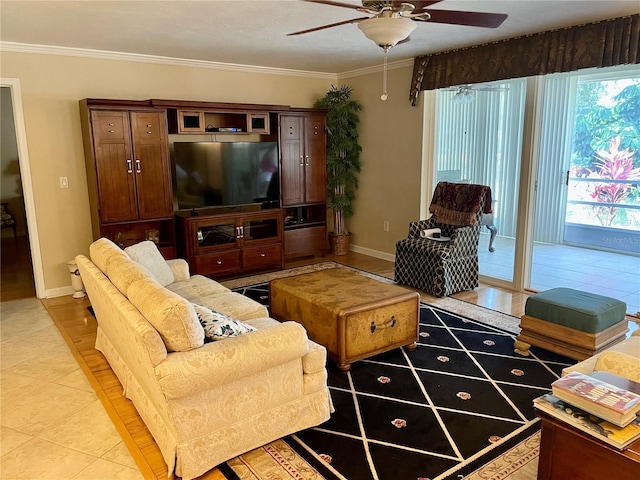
point(391, 323)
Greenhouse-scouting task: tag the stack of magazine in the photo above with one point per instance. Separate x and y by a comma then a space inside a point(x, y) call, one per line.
point(601, 404)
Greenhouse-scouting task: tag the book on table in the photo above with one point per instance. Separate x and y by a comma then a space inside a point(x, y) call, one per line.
point(617, 437)
point(589, 392)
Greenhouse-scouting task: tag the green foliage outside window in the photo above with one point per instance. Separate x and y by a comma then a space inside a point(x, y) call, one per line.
point(606, 145)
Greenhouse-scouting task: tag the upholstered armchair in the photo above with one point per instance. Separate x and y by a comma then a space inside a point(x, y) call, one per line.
point(439, 266)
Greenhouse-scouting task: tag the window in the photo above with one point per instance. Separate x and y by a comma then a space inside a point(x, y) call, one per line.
point(582, 176)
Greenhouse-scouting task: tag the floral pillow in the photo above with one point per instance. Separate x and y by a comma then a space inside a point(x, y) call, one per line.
point(218, 326)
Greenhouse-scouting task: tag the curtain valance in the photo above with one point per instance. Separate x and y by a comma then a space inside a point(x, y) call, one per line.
point(599, 44)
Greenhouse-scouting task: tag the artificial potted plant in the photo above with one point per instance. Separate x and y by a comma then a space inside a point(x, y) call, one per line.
point(343, 160)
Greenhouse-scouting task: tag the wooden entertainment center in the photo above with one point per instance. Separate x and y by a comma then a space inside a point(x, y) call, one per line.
point(128, 156)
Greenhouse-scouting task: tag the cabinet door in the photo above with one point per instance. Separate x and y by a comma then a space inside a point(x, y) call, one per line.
point(151, 165)
point(292, 189)
point(315, 159)
point(114, 166)
point(219, 233)
point(261, 229)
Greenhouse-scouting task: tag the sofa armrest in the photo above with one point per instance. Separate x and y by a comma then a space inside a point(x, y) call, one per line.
point(629, 346)
point(187, 373)
point(180, 269)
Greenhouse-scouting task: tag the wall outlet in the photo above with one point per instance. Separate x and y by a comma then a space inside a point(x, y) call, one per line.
point(64, 182)
point(385, 225)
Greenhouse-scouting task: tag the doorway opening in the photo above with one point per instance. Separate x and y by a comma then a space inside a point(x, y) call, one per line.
point(16, 279)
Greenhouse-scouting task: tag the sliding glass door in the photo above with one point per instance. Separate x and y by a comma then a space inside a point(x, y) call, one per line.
point(587, 223)
point(478, 139)
point(578, 164)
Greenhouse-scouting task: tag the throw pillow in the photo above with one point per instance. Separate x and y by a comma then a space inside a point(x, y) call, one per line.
point(171, 315)
point(218, 326)
point(103, 251)
point(147, 254)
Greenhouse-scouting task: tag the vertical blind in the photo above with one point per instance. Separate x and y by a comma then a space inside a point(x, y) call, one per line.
point(555, 142)
point(481, 142)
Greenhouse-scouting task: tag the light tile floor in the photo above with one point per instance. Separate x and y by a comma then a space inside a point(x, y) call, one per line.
point(606, 273)
point(52, 424)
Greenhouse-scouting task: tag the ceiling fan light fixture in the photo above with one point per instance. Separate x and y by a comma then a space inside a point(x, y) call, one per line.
point(463, 96)
point(387, 31)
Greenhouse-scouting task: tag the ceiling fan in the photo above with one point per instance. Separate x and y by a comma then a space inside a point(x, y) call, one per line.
point(391, 18)
point(466, 93)
point(391, 21)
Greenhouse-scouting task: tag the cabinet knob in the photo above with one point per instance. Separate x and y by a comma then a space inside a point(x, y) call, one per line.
point(263, 255)
point(110, 131)
point(219, 262)
point(148, 125)
point(148, 133)
point(110, 124)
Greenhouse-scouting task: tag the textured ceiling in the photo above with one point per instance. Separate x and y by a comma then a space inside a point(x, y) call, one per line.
point(254, 32)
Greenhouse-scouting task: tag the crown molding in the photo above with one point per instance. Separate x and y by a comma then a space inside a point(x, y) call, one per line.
point(135, 57)
point(376, 69)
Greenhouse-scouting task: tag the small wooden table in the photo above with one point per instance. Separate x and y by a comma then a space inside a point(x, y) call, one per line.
point(352, 315)
point(567, 453)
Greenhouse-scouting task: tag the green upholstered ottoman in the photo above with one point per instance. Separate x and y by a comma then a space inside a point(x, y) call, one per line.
point(570, 322)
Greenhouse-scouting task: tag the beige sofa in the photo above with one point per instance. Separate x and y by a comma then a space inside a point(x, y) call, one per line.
point(621, 359)
point(204, 403)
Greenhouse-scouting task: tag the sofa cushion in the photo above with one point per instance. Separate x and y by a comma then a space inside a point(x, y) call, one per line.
point(103, 251)
point(122, 272)
point(233, 304)
point(196, 287)
point(218, 326)
point(171, 315)
point(146, 253)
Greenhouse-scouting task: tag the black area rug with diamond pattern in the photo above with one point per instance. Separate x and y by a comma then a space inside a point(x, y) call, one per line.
point(456, 402)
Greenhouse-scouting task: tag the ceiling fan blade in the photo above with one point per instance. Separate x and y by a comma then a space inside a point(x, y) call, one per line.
point(335, 4)
point(418, 4)
point(353, 20)
point(470, 19)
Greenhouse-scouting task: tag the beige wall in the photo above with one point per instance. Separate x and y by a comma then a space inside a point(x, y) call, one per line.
point(391, 139)
point(51, 87)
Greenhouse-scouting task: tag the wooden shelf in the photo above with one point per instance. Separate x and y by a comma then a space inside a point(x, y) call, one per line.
point(228, 122)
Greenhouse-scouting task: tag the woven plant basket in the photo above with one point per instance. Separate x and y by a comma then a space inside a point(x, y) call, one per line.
point(339, 244)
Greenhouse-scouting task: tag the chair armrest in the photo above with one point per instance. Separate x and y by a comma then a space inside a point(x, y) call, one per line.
point(187, 373)
point(464, 240)
point(416, 227)
point(180, 269)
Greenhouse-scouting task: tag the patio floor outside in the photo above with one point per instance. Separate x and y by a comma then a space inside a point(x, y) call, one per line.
point(605, 273)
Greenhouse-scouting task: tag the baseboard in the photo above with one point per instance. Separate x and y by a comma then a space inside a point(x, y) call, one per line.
point(59, 292)
point(373, 253)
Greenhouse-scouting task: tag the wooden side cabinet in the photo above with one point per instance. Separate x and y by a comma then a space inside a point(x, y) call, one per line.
point(231, 242)
point(303, 163)
point(303, 174)
point(128, 173)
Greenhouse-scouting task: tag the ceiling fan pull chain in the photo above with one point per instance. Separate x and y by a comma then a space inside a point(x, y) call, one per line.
point(384, 95)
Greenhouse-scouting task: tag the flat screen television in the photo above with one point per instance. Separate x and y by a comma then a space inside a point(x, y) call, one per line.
point(223, 174)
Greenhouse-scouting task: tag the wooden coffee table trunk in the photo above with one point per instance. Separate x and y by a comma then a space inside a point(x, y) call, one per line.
point(352, 315)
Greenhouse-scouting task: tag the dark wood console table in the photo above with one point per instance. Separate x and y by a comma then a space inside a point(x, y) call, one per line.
point(231, 241)
point(567, 453)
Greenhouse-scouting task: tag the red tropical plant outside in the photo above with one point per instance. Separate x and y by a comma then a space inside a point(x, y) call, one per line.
point(616, 165)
